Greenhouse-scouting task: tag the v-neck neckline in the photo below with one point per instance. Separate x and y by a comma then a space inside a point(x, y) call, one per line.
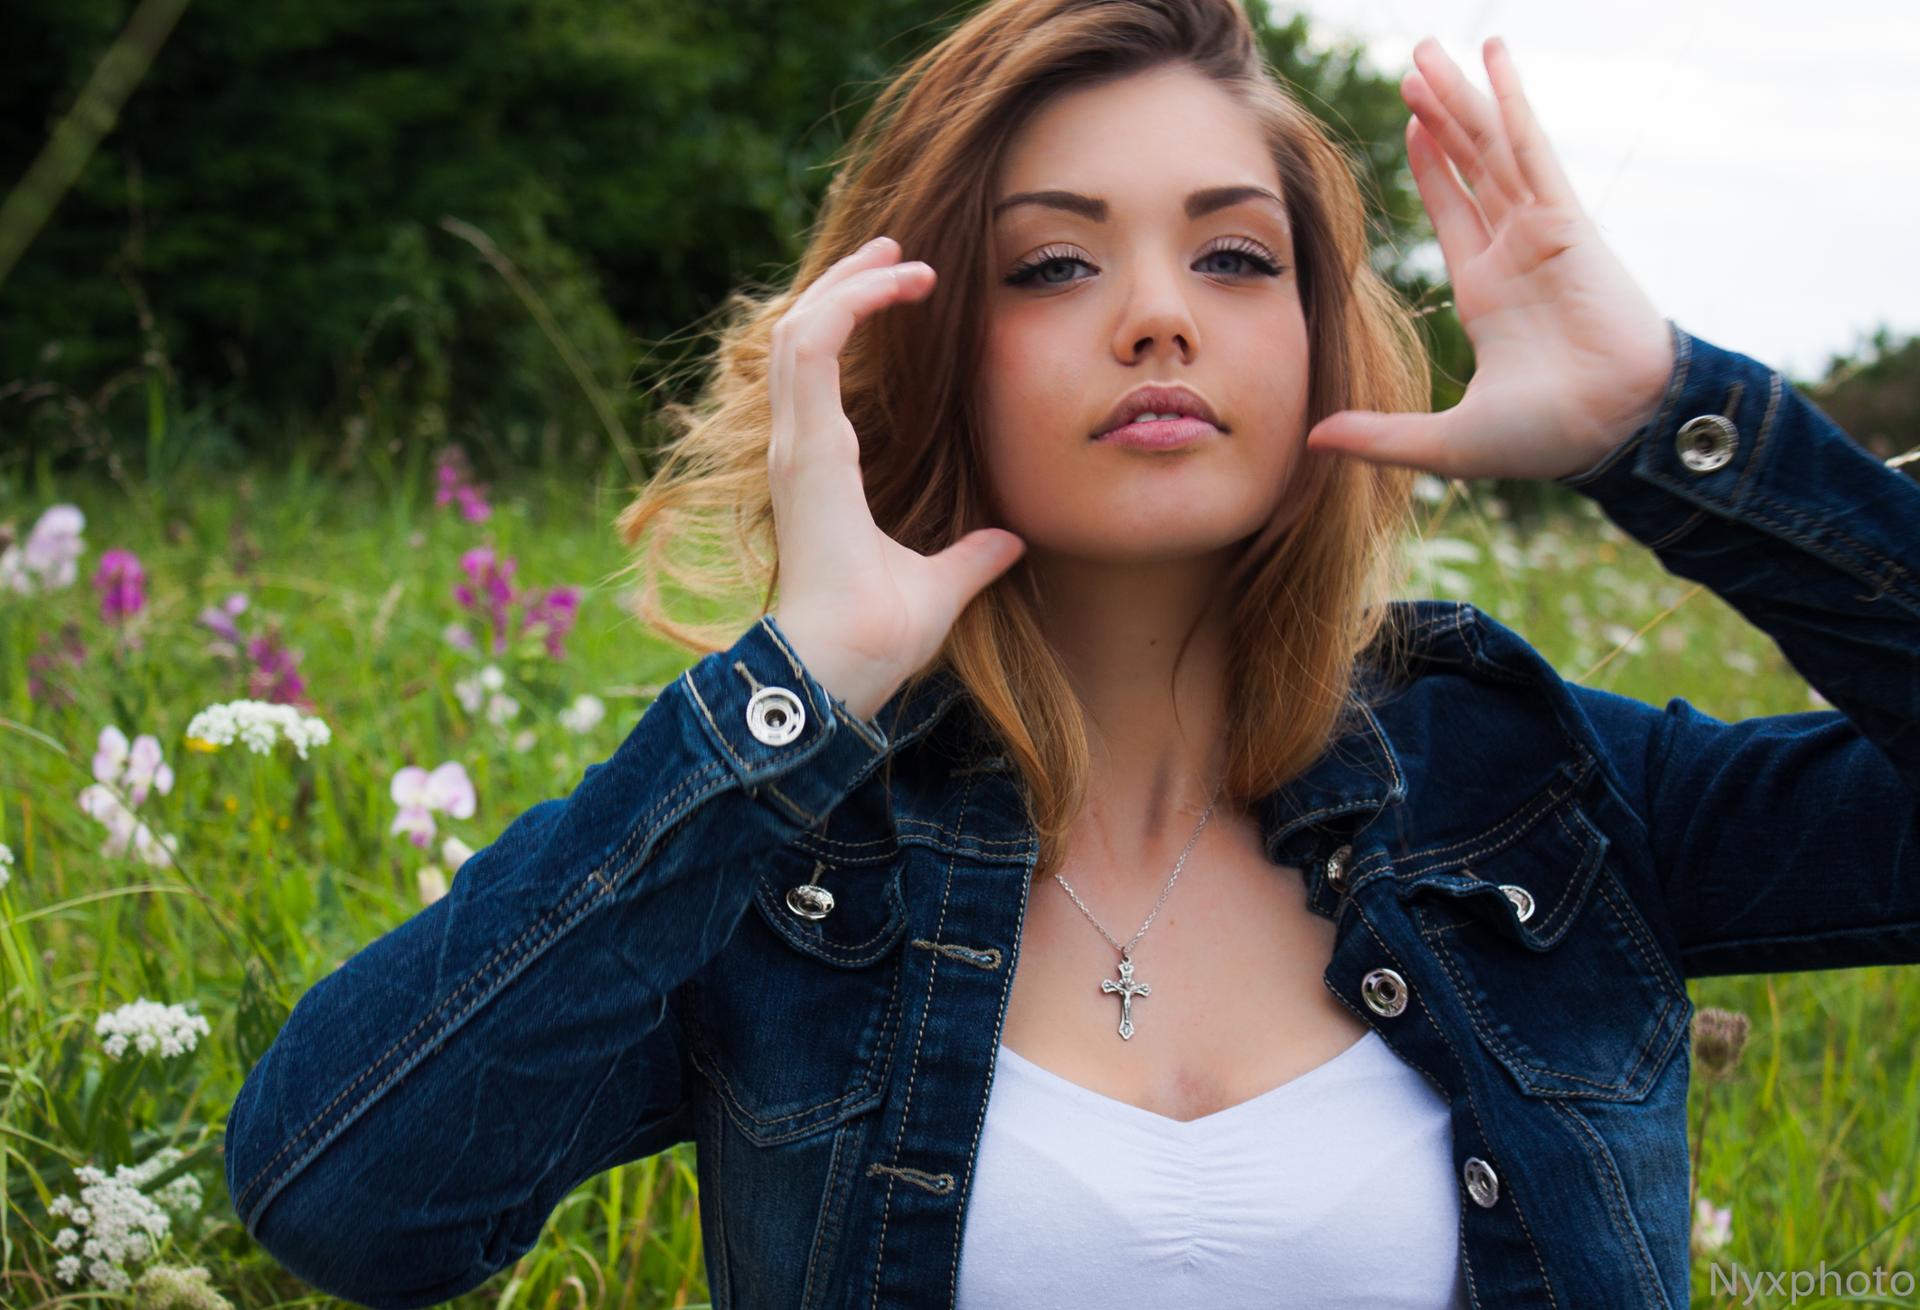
point(1167, 1123)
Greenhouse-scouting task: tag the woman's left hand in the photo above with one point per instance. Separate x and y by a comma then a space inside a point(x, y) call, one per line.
point(1570, 357)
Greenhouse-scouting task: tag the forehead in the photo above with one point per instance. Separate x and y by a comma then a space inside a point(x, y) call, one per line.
point(1160, 133)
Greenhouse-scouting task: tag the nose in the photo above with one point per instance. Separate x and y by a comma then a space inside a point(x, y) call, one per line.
point(1155, 319)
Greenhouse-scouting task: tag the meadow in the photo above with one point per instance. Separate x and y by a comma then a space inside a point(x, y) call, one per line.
point(168, 892)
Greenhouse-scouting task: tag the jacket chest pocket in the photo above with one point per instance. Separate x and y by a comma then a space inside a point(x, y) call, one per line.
point(1556, 968)
point(793, 1024)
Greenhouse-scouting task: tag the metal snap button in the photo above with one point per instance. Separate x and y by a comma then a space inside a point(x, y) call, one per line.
point(1384, 991)
point(1522, 899)
point(809, 899)
point(775, 715)
point(1707, 442)
point(1337, 868)
point(1483, 1185)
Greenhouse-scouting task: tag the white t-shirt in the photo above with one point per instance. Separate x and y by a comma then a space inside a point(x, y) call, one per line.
point(1334, 1190)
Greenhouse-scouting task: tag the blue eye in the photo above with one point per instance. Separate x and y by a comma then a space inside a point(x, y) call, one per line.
point(1031, 270)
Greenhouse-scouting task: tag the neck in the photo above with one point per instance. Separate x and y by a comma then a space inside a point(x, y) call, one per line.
point(1157, 734)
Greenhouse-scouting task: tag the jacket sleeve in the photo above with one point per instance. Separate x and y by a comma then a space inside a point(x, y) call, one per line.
point(1789, 841)
point(429, 1103)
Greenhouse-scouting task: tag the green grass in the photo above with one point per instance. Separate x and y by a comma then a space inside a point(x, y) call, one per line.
point(286, 867)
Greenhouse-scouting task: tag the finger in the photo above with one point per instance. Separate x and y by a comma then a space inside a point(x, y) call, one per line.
point(1417, 441)
point(1532, 153)
point(1457, 221)
point(1488, 159)
point(815, 453)
point(1455, 146)
point(971, 563)
point(879, 251)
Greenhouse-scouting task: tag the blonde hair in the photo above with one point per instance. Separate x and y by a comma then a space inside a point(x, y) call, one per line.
point(1306, 604)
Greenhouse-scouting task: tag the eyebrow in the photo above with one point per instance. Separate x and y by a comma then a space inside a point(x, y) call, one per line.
point(1201, 203)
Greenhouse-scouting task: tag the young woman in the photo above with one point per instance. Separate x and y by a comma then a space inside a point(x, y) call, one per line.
point(1083, 441)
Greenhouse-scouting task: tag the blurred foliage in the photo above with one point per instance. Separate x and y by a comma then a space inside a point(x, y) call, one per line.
point(262, 226)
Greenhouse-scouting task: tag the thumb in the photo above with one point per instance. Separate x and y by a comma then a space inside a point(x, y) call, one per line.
point(1414, 440)
point(969, 564)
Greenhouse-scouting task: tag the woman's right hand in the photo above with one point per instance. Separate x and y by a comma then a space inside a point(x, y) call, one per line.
point(862, 611)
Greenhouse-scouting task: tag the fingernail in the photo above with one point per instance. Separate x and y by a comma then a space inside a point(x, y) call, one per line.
point(878, 241)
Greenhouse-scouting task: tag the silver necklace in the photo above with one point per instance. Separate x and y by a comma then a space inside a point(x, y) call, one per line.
point(1126, 988)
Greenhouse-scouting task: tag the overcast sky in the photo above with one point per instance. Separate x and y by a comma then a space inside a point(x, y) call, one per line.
point(1755, 164)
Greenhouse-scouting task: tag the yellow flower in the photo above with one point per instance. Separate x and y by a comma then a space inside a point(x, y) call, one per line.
point(204, 747)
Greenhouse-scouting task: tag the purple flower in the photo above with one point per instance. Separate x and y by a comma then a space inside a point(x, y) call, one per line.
point(122, 585)
point(489, 591)
point(276, 672)
point(220, 617)
point(555, 613)
point(456, 484)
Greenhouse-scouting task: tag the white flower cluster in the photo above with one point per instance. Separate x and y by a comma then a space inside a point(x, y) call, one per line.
point(259, 724)
point(484, 689)
point(149, 1025)
point(114, 1222)
point(584, 715)
point(6, 864)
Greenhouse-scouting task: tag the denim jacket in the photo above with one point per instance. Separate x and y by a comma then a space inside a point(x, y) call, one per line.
point(1522, 872)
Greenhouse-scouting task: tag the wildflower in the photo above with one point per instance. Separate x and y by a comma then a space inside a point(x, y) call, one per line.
point(220, 618)
point(276, 672)
point(432, 882)
point(122, 584)
point(114, 1222)
point(149, 1025)
point(501, 707)
point(419, 793)
point(257, 723)
point(1719, 1038)
point(144, 769)
point(457, 636)
point(455, 852)
point(488, 591)
point(1712, 1226)
point(6, 865)
point(50, 555)
point(168, 1287)
point(524, 740)
point(553, 615)
point(584, 715)
point(124, 828)
point(456, 484)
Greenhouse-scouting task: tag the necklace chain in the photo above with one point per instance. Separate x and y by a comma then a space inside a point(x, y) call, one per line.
point(1126, 952)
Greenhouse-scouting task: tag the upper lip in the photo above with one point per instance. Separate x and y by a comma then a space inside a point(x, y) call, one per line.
point(1157, 398)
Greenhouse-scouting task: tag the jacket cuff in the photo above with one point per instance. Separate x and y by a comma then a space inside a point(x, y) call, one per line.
point(790, 742)
point(1699, 453)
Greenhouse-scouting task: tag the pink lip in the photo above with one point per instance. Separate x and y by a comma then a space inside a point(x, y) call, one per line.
point(1160, 433)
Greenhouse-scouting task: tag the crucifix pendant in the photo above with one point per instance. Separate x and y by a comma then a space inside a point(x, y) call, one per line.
point(1126, 989)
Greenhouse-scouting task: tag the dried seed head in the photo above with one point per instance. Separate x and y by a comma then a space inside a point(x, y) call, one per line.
point(1719, 1037)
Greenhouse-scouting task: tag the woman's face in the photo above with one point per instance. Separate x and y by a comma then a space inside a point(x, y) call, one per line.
point(1141, 291)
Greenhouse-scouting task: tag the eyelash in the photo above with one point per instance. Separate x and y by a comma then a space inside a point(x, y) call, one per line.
point(1253, 254)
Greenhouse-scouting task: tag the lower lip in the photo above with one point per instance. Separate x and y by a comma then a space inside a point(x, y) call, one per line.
point(1160, 433)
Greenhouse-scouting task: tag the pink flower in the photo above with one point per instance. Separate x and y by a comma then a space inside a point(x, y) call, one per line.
point(489, 591)
point(455, 478)
point(220, 617)
point(137, 768)
point(121, 583)
point(419, 793)
point(555, 613)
